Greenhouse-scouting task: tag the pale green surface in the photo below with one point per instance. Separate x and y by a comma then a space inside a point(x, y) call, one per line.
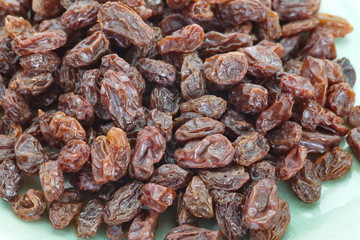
point(335, 217)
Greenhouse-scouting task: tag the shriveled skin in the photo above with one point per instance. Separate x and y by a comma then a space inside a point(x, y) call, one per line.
point(80, 15)
point(121, 99)
point(199, 128)
point(149, 149)
point(261, 205)
point(262, 62)
point(279, 228)
point(144, 226)
point(31, 206)
point(333, 164)
point(124, 205)
point(211, 152)
point(184, 40)
point(290, 164)
point(197, 199)
point(230, 178)
point(118, 20)
point(306, 184)
point(52, 180)
point(240, 11)
point(157, 197)
point(226, 69)
point(353, 139)
point(110, 156)
point(249, 148)
point(207, 105)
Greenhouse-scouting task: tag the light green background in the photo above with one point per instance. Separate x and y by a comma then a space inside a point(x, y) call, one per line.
point(335, 217)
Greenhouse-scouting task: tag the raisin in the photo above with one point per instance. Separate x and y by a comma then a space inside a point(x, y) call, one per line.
point(278, 113)
point(236, 124)
point(52, 180)
point(89, 219)
point(314, 69)
point(8, 58)
point(237, 12)
point(230, 178)
point(116, 232)
point(157, 197)
point(354, 117)
point(211, 152)
point(295, 10)
point(77, 107)
point(47, 8)
point(39, 42)
point(110, 156)
point(163, 121)
point(41, 62)
point(261, 205)
point(229, 217)
point(333, 164)
point(118, 20)
point(29, 154)
point(286, 136)
point(7, 147)
point(348, 70)
point(226, 69)
point(88, 51)
point(9, 180)
point(199, 11)
point(184, 40)
point(17, 26)
point(262, 62)
point(333, 123)
point(198, 128)
point(149, 149)
point(295, 27)
point(171, 176)
point(66, 128)
point(122, 100)
point(80, 15)
point(15, 107)
point(31, 206)
point(117, 64)
point(320, 44)
point(125, 204)
point(189, 232)
point(270, 28)
point(67, 208)
point(260, 170)
point(183, 216)
point(248, 98)
point(249, 148)
point(207, 105)
point(84, 180)
point(317, 142)
point(197, 199)
point(144, 226)
point(340, 98)
point(157, 71)
point(74, 155)
point(353, 139)
point(299, 87)
point(289, 165)
point(309, 114)
point(306, 184)
point(166, 100)
point(338, 26)
point(216, 42)
point(279, 228)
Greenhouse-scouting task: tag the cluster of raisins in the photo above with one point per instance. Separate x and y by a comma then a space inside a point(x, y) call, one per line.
point(145, 104)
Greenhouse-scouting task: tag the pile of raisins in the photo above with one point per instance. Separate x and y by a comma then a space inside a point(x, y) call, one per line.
point(202, 105)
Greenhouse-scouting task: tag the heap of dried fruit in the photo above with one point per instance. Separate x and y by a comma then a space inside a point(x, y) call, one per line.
point(203, 105)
